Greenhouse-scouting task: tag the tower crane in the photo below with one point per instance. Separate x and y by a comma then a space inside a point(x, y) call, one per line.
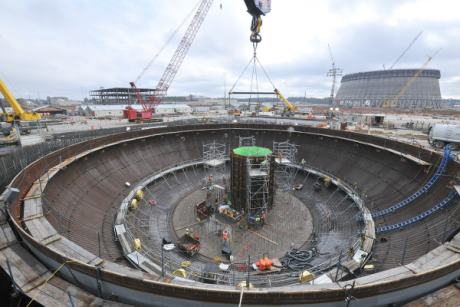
point(148, 106)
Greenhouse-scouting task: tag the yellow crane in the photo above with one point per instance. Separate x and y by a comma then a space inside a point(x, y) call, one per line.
point(393, 101)
point(290, 108)
point(19, 113)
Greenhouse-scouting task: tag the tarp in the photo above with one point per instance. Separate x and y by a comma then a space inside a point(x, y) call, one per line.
point(265, 6)
point(258, 7)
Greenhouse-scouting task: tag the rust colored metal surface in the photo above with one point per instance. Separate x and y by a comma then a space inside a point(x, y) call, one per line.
point(81, 200)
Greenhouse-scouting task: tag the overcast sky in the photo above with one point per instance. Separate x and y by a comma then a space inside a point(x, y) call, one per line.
point(68, 47)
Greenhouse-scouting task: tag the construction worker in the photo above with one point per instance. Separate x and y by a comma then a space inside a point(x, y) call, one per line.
point(226, 250)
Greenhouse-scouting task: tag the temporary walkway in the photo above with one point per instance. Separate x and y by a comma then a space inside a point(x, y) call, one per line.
point(442, 167)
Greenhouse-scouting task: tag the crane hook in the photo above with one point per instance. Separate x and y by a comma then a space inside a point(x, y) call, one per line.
point(255, 28)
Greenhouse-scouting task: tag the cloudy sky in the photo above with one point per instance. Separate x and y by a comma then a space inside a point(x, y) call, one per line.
point(68, 47)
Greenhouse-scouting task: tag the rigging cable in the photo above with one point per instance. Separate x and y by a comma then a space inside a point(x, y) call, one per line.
point(147, 67)
point(241, 75)
point(254, 73)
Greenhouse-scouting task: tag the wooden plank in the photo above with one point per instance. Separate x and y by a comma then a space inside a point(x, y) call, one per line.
point(385, 276)
point(190, 225)
point(40, 228)
point(74, 251)
point(32, 208)
point(96, 261)
point(31, 276)
point(27, 270)
point(437, 257)
point(34, 190)
point(263, 237)
point(54, 294)
point(7, 237)
point(51, 239)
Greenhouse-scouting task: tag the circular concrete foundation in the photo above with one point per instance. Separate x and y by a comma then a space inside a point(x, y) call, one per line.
point(86, 183)
point(289, 224)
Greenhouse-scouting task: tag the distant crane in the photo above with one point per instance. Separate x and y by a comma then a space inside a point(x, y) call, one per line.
point(290, 108)
point(171, 70)
point(334, 72)
point(395, 100)
point(407, 49)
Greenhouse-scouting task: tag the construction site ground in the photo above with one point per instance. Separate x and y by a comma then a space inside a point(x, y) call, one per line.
point(289, 223)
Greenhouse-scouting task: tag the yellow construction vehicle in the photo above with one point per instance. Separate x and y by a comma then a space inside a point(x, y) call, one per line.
point(19, 113)
point(266, 109)
point(290, 108)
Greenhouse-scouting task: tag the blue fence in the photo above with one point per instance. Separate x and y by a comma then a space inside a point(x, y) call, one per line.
point(442, 167)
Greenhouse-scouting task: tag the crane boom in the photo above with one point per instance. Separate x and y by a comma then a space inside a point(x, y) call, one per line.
point(181, 51)
point(10, 99)
point(289, 106)
point(395, 100)
point(407, 49)
point(171, 70)
point(19, 112)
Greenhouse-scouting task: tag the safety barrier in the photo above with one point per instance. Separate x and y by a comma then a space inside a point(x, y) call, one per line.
point(445, 202)
point(442, 167)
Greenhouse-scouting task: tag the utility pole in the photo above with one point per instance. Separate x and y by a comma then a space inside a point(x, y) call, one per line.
point(334, 72)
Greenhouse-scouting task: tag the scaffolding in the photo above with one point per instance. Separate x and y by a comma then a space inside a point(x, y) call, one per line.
point(215, 193)
point(214, 157)
point(285, 158)
point(258, 190)
point(247, 141)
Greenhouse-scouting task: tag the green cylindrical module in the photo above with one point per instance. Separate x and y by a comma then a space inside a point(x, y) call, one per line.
point(252, 180)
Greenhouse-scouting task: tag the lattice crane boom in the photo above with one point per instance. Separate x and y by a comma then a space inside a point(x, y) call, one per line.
point(407, 49)
point(181, 51)
point(171, 70)
point(395, 100)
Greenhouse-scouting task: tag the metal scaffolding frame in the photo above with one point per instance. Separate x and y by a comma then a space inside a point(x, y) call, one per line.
point(258, 189)
point(214, 157)
point(285, 157)
point(247, 141)
point(215, 193)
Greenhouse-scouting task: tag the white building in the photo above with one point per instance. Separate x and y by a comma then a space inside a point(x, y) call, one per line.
point(116, 110)
point(173, 109)
point(201, 109)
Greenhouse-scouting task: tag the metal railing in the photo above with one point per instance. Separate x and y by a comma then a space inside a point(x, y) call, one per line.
point(237, 272)
point(423, 190)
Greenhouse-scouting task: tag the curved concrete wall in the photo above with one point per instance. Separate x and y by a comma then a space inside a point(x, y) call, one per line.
point(361, 156)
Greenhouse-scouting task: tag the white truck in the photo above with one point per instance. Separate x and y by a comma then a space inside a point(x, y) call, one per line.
point(440, 135)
